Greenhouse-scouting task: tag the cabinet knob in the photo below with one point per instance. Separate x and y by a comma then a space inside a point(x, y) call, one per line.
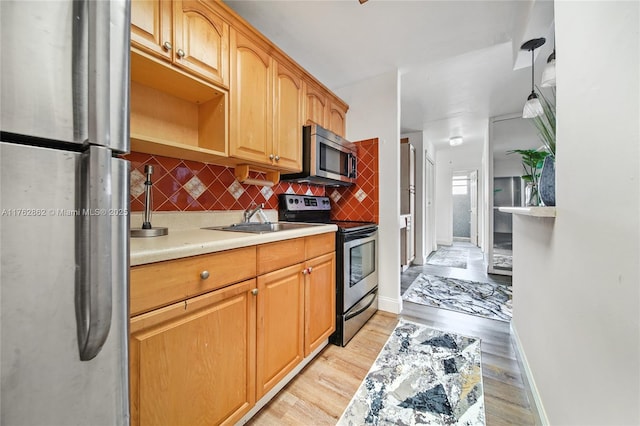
point(167, 45)
point(271, 156)
point(180, 53)
point(254, 291)
point(305, 271)
point(277, 158)
point(310, 269)
point(204, 275)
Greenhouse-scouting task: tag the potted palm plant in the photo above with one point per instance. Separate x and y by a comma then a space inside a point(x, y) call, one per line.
point(546, 125)
point(532, 161)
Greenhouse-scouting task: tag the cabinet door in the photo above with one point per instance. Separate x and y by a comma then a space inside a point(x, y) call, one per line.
point(287, 139)
point(151, 27)
point(201, 41)
point(193, 363)
point(320, 301)
point(251, 92)
point(337, 119)
point(280, 325)
point(315, 105)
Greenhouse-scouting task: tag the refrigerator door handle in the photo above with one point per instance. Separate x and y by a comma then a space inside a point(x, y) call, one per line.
point(99, 94)
point(93, 295)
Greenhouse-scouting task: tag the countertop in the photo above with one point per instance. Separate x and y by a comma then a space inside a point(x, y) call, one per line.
point(192, 242)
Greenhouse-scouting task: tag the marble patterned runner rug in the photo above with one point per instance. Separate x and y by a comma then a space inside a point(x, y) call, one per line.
point(486, 300)
point(421, 376)
point(502, 261)
point(447, 256)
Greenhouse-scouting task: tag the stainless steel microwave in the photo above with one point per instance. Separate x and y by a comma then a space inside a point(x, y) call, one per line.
point(327, 159)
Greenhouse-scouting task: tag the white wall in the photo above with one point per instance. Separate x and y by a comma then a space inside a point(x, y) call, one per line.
point(449, 160)
point(374, 112)
point(508, 167)
point(577, 277)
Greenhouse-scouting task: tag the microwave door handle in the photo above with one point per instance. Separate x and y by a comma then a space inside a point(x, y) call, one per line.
point(354, 167)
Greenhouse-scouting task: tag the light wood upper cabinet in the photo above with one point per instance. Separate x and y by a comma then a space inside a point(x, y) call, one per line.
point(323, 108)
point(193, 362)
point(152, 27)
point(201, 40)
point(251, 136)
point(315, 105)
point(287, 121)
point(320, 301)
point(280, 330)
point(188, 33)
point(337, 118)
point(266, 107)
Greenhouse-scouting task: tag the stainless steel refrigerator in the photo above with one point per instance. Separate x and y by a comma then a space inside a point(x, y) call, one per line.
point(64, 223)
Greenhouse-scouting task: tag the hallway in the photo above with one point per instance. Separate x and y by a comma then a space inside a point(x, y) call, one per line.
point(506, 400)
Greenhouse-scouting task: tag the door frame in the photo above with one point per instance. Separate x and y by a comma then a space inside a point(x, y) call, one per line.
point(473, 227)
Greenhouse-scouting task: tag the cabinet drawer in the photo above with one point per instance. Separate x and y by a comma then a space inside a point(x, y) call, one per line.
point(317, 245)
point(158, 284)
point(280, 254)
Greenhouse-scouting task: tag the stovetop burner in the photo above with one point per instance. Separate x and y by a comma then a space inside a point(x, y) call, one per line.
point(314, 209)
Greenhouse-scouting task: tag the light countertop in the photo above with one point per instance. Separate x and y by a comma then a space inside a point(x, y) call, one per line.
point(185, 242)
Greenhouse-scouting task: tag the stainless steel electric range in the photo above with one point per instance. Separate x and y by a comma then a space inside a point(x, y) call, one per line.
point(356, 261)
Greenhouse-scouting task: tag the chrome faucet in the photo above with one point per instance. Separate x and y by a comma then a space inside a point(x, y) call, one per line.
point(251, 211)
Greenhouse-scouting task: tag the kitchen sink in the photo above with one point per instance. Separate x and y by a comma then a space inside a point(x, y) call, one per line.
point(261, 228)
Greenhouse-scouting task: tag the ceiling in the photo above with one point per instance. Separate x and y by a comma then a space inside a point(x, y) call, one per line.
point(459, 61)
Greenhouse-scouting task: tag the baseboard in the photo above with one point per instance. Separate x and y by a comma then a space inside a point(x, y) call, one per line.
point(388, 304)
point(529, 383)
point(444, 242)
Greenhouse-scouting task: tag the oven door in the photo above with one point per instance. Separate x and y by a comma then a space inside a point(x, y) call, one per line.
point(360, 260)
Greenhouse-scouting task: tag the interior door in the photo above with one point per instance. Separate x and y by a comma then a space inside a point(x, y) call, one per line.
point(473, 194)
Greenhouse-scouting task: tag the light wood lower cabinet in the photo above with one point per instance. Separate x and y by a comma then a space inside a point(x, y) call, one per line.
point(319, 301)
point(193, 362)
point(280, 325)
point(207, 359)
point(296, 304)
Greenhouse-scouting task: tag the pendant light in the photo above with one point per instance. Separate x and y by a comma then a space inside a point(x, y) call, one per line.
point(549, 73)
point(533, 107)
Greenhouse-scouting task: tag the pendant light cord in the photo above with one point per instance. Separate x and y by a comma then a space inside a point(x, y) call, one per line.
point(532, 68)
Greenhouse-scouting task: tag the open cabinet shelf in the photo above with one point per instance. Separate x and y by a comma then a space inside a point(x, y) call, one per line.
point(175, 115)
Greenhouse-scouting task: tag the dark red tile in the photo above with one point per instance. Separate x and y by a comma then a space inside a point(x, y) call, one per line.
point(182, 174)
point(167, 185)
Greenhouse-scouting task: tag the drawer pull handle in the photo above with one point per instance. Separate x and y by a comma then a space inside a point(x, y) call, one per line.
point(204, 275)
point(254, 291)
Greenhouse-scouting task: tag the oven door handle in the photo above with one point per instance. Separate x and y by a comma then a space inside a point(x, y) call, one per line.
point(359, 311)
point(364, 235)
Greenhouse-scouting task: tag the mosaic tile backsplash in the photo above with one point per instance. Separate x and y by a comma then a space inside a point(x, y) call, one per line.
point(184, 185)
point(360, 201)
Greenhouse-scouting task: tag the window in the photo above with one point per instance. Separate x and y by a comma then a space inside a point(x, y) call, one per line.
point(460, 185)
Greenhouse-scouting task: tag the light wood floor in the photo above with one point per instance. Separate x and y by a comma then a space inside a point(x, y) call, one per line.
point(321, 392)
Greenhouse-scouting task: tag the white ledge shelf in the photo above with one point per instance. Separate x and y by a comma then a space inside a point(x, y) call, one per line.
point(530, 211)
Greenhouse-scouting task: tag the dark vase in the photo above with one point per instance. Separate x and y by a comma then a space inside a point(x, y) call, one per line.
point(547, 182)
